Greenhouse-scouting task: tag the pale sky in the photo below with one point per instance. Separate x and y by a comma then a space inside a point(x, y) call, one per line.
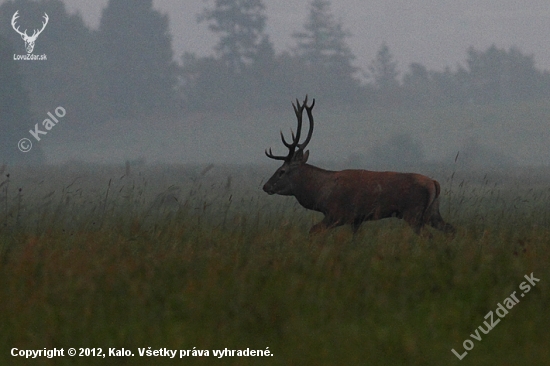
point(435, 33)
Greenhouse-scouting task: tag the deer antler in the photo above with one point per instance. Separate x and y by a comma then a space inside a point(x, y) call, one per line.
point(298, 110)
point(24, 34)
point(13, 19)
point(309, 109)
point(36, 32)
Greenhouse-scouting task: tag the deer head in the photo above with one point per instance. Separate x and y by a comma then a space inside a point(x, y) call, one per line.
point(29, 40)
point(281, 181)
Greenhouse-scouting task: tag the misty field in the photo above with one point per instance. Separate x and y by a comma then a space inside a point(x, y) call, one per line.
point(199, 258)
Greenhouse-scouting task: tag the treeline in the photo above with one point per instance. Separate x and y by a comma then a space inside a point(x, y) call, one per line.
point(126, 68)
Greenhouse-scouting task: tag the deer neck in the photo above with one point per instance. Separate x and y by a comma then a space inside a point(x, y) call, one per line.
point(311, 187)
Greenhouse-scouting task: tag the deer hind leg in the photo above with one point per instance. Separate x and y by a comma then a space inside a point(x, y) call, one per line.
point(414, 219)
point(433, 218)
point(437, 222)
point(420, 229)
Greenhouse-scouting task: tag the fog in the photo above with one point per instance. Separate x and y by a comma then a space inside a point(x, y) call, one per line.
point(373, 130)
point(433, 32)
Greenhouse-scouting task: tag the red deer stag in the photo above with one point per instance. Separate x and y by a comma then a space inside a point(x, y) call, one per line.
point(353, 196)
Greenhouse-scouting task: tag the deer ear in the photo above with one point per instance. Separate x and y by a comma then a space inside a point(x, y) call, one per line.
point(305, 157)
point(300, 157)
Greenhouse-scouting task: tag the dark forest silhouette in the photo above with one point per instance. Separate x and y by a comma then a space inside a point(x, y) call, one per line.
point(108, 74)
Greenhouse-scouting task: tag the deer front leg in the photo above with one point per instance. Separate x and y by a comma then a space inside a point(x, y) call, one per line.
point(326, 223)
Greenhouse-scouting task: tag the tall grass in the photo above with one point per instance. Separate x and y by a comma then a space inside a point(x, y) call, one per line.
point(183, 257)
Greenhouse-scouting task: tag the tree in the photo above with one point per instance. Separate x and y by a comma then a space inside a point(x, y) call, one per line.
point(138, 66)
point(419, 87)
point(324, 59)
point(322, 45)
point(205, 80)
point(15, 111)
point(241, 74)
point(383, 70)
point(240, 24)
point(500, 75)
point(450, 87)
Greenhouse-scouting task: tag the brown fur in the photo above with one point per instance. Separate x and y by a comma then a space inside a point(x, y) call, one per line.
point(354, 196)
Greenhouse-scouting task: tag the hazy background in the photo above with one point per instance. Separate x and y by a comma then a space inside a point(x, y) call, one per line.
point(435, 33)
point(371, 128)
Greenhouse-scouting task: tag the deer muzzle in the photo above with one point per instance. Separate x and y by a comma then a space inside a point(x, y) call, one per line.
point(268, 188)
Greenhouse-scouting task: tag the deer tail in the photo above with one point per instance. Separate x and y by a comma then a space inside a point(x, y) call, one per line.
point(437, 189)
point(433, 195)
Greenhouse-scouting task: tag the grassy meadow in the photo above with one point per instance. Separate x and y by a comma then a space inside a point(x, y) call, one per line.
point(198, 257)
